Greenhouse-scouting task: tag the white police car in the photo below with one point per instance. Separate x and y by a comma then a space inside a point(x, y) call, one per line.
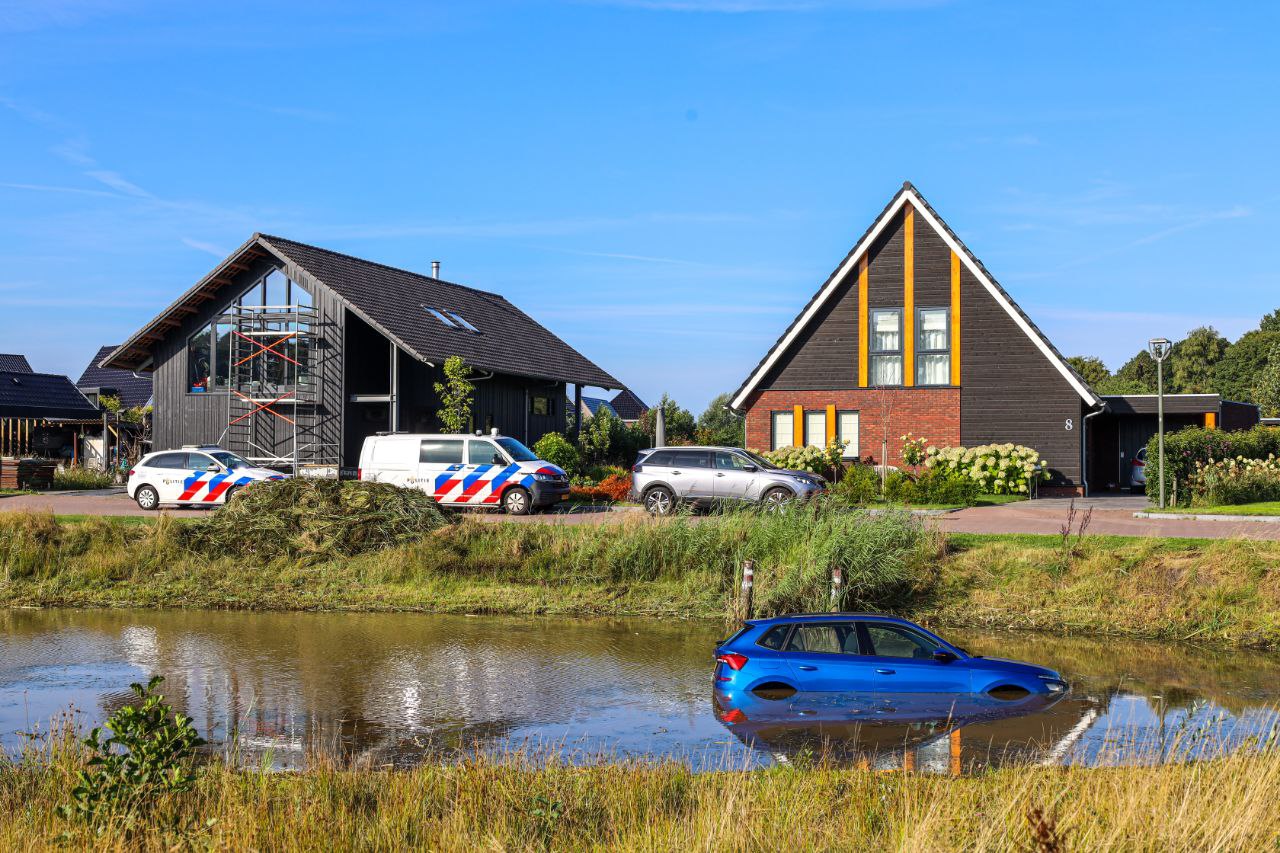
point(203, 475)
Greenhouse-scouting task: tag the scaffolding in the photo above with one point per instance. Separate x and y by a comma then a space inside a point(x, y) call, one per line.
point(274, 395)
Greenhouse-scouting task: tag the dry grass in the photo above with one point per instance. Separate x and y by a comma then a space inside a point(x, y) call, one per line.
point(512, 804)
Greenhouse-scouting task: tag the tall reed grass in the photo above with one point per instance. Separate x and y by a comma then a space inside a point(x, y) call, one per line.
point(513, 803)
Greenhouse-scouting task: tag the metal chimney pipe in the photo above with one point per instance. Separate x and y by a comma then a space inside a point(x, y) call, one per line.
point(435, 269)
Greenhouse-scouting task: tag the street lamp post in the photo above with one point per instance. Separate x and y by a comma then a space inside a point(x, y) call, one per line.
point(1159, 349)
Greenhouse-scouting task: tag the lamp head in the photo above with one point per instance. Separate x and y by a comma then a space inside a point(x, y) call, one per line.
point(1159, 348)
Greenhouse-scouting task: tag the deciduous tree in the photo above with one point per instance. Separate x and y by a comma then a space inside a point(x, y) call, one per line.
point(455, 395)
point(721, 426)
point(1193, 360)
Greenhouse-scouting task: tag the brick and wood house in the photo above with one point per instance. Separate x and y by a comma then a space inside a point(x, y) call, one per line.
point(911, 333)
point(291, 355)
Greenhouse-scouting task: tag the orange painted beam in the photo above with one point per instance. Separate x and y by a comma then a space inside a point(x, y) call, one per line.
point(863, 323)
point(908, 296)
point(797, 426)
point(831, 424)
point(1210, 420)
point(955, 319)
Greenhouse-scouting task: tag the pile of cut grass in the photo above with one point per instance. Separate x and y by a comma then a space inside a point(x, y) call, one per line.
point(314, 519)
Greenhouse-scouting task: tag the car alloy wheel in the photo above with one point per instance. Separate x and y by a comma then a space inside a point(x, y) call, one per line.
point(659, 502)
point(147, 498)
point(776, 499)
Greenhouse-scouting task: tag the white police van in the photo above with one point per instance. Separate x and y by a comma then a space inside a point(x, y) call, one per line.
point(200, 475)
point(465, 470)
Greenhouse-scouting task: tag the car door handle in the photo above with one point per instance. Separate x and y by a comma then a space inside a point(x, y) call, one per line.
point(719, 473)
point(675, 473)
point(885, 671)
point(807, 668)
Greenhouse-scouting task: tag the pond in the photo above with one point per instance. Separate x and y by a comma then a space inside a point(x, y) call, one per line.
point(394, 689)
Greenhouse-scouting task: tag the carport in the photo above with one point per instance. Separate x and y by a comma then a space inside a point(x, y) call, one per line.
point(1130, 420)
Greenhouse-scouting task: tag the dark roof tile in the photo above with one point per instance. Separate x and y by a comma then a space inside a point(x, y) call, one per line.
point(41, 395)
point(14, 363)
point(132, 390)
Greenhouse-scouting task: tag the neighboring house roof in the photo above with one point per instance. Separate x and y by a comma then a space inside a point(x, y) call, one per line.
point(14, 363)
point(42, 395)
point(594, 404)
point(1174, 404)
point(909, 194)
point(133, 390)
point(395, 302)
point(628, 406)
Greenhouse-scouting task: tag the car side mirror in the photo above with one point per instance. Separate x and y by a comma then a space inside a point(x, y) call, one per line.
point(943, 656)
point(750, 468)
point(213, 469)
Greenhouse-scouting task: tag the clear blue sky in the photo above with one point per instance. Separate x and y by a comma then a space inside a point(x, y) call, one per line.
point(664, 183)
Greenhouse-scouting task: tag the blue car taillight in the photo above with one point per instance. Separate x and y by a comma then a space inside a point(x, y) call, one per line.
point(733, 660)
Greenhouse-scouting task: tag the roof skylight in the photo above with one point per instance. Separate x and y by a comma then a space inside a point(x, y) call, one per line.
point(462, 321)
point(439, 315)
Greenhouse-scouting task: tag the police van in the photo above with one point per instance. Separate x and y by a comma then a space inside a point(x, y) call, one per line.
point(493, 471)
point(199, 475)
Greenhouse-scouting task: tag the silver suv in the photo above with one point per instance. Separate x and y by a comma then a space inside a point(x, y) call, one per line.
point(665, 477)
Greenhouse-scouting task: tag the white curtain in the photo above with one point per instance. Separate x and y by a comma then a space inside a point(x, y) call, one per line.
point(885, 328)
point(783, 429)
point(933, 369)
point(933, 329)
point(886, 370)
point(815, 429)
point(847, 431)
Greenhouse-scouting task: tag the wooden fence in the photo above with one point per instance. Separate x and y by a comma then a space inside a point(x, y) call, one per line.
point(16, 435)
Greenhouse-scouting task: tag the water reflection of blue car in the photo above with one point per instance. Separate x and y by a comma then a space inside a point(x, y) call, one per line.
point(866, 653)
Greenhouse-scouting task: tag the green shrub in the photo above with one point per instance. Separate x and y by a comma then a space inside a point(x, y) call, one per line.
point(78, 477)
point(860, 485)
point(317, 519)
point(939, 486)
point(816, 460)
point(149, 753)
point(899, 488)
point(1187, 447)
point(559, 451)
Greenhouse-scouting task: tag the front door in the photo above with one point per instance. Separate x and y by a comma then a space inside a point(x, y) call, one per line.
point(732, 482)
point(826, 657)
point(904, 662)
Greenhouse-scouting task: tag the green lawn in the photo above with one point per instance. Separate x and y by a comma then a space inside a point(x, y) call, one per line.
point(1260, 508)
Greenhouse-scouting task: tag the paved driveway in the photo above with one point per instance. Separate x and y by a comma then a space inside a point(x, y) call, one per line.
point(94, 502)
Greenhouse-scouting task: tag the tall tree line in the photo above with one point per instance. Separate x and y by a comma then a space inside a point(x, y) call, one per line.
point(1204, 362)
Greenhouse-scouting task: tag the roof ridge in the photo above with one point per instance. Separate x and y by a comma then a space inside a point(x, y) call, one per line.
point(358, 259)
point(34, 373)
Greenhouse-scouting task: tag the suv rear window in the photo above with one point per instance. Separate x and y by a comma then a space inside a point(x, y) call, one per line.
point(692, 459)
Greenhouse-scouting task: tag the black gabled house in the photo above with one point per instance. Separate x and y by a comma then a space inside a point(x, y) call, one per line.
point(291, 355)
point(132, 389)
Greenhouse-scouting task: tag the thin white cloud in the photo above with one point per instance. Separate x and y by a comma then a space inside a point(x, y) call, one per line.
point(118, 182)
point(513, 229)
point(46, 188)
point(210, 248)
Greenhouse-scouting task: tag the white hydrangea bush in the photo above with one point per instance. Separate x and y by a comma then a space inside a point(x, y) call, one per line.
point(1000, 469)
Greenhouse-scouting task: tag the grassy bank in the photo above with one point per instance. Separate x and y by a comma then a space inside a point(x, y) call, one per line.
point(1221, 591)
point(1226, 804)
point(1259, 508)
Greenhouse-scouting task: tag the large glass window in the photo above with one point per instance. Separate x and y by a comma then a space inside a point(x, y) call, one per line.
point(200, 360)
point(830, 639)
point(886, 346)
point(890, 641)
point(815, 429)
point(783, 430)
point(933, 346)
point(847, 433)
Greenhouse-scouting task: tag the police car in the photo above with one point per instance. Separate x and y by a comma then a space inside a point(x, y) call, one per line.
point(203, 475)
point(465, 470)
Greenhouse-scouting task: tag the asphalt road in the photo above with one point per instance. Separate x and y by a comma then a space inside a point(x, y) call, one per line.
point(1110, 516)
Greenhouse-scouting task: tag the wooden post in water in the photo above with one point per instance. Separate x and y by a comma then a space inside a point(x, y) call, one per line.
point(837, 580)
point(748, 587)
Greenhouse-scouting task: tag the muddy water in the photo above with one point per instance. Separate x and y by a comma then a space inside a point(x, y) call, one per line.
point(398, 688)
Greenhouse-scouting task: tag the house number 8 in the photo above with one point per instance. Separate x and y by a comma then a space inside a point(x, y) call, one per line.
point(1069, 425)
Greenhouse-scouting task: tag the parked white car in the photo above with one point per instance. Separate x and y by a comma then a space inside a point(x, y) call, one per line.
point(205, 475)
point(465, 470)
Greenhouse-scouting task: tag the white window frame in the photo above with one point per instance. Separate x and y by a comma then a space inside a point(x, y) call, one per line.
point(851, 450)
point(876, 355)
point(922, 351)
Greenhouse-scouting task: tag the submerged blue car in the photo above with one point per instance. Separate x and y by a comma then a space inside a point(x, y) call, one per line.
point(867, 653)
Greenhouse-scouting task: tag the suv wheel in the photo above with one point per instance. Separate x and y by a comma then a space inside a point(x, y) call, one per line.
point(147, 497)
point(776, 498)
point(659, 501)
point(516, 501)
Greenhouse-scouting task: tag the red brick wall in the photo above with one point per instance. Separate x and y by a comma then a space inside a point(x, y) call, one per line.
point(931, 413)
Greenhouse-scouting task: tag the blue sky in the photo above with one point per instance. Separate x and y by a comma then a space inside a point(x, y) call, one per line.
point(664, 183)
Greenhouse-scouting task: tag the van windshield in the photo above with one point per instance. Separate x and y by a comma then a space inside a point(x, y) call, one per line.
point(516, 450)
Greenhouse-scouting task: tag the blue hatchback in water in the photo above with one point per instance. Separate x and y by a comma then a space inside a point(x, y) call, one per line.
point(868, 653)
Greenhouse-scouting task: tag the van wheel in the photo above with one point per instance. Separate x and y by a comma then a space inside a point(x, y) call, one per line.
point(659, 501)
point(516, 501)
point(147, 497)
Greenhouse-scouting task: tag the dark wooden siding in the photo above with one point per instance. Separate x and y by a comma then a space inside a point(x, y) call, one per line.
point(185, 418)
point(932, 268)
point(824, 356)
point(885, 267)
point(1009, 390)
